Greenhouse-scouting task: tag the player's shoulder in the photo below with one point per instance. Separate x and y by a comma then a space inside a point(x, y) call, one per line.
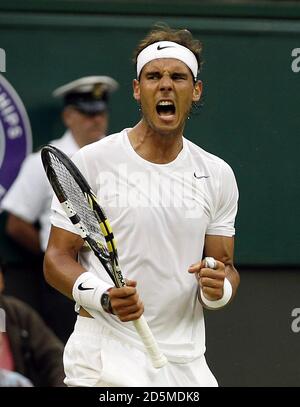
point(104, 146)
point(216, 167)
point(110, 141)
point(211, 160)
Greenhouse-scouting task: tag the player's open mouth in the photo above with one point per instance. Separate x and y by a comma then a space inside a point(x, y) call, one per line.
point(165, 108)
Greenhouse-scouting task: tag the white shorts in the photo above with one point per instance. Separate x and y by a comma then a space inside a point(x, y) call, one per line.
point(95, 357)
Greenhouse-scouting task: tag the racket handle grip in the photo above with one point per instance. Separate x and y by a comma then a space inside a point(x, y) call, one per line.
point(157, 357)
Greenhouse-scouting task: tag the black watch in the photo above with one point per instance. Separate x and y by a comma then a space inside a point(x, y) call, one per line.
point(105, 302)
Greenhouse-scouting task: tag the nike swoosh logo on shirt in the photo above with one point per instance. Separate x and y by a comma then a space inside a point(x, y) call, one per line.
point(200, 176)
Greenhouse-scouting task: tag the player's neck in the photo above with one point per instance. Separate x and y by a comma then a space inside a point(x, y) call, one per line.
point(155, 147)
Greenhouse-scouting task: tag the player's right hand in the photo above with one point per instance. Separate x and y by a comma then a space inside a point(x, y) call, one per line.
point(125, 302)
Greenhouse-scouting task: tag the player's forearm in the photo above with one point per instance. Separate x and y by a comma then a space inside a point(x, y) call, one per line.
point(61, 271)
point(24, 233)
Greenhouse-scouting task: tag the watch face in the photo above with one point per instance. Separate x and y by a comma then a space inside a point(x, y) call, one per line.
point(105, 302)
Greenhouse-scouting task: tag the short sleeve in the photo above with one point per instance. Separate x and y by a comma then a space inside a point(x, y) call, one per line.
point(223, 216)
point(59, 219)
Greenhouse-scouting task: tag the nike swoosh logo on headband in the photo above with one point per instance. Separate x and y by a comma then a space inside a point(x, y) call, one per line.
point(159, 47)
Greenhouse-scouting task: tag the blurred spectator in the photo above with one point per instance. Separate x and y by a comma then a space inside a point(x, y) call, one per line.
point(28, 346)
point(85, 115)
point(13, 379)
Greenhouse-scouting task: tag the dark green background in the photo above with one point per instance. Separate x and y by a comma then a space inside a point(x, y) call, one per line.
point(250, 115)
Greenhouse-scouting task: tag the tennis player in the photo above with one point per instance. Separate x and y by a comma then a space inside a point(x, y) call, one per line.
point(170, 204)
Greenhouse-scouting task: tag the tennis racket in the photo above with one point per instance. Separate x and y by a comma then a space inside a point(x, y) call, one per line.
point(80, 205)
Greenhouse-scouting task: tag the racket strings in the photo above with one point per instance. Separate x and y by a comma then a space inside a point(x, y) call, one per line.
point(78, 200)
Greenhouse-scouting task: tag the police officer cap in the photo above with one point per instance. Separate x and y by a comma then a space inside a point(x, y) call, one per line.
point(89, 94)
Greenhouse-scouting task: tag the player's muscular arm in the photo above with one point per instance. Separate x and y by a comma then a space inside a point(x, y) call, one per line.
point(24, 233)
point(61, 268)
point(221, 248)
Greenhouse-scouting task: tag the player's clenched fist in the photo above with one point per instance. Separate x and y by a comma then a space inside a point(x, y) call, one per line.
point(210, 276)
point(125, 302)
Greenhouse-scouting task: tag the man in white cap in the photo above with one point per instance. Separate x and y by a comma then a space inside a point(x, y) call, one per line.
point(172, 207)
point(85, 115)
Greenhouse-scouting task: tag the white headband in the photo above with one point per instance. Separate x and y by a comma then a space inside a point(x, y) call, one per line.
point(167, 49)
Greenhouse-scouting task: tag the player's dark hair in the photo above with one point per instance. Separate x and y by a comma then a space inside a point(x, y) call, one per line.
point(162, 32)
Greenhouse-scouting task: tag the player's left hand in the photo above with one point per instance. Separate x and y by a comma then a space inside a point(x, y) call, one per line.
point(210, 280)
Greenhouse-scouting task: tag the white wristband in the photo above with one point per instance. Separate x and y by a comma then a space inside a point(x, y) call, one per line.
point(227, 293)
point(87, 291)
